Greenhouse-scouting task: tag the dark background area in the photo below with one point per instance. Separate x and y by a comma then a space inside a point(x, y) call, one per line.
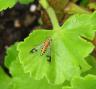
point(15, 24)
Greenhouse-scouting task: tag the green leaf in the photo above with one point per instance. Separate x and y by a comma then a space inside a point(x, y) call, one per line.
point(89, 82)
point(12, 54)
point(68, 48)
point(92, 61)
point(10, 3)
point(83, 22)
point(84, 2)
point(25, 1)
point(5, 81)
point(7, 4)
point(24, 81)
point(19, 79)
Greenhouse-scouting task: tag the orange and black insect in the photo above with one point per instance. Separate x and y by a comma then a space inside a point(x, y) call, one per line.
point(45, 46)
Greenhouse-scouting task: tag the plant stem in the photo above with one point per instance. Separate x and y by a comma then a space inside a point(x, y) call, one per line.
point(51, 14)
point(53, 18)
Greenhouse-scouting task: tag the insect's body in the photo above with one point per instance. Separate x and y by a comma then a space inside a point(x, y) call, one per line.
point(45, 46)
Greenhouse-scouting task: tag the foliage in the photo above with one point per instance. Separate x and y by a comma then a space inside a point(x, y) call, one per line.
point(53, 59)
point(88, 82)
point(65, 58)
point(25, 1)
point(10, 3)
point(4, 5)
point(19, 79)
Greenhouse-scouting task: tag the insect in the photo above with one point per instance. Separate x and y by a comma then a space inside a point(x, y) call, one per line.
point(45, 46)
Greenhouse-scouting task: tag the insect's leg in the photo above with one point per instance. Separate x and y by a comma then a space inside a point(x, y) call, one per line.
point(48, 58)
point(33, 50)
point(48, 55)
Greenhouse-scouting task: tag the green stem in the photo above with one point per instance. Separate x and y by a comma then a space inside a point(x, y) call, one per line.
point(53, 18)
point(51, 14)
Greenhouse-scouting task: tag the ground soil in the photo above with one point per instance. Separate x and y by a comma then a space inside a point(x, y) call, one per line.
point(15, 24)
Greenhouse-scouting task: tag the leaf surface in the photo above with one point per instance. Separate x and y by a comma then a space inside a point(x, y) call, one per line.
point(68, 48)
point(19, 79)
point(88, 82)
point(7, 4)
point(25, 1)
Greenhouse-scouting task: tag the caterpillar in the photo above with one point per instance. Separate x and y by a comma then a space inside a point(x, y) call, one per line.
point(45, 46)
